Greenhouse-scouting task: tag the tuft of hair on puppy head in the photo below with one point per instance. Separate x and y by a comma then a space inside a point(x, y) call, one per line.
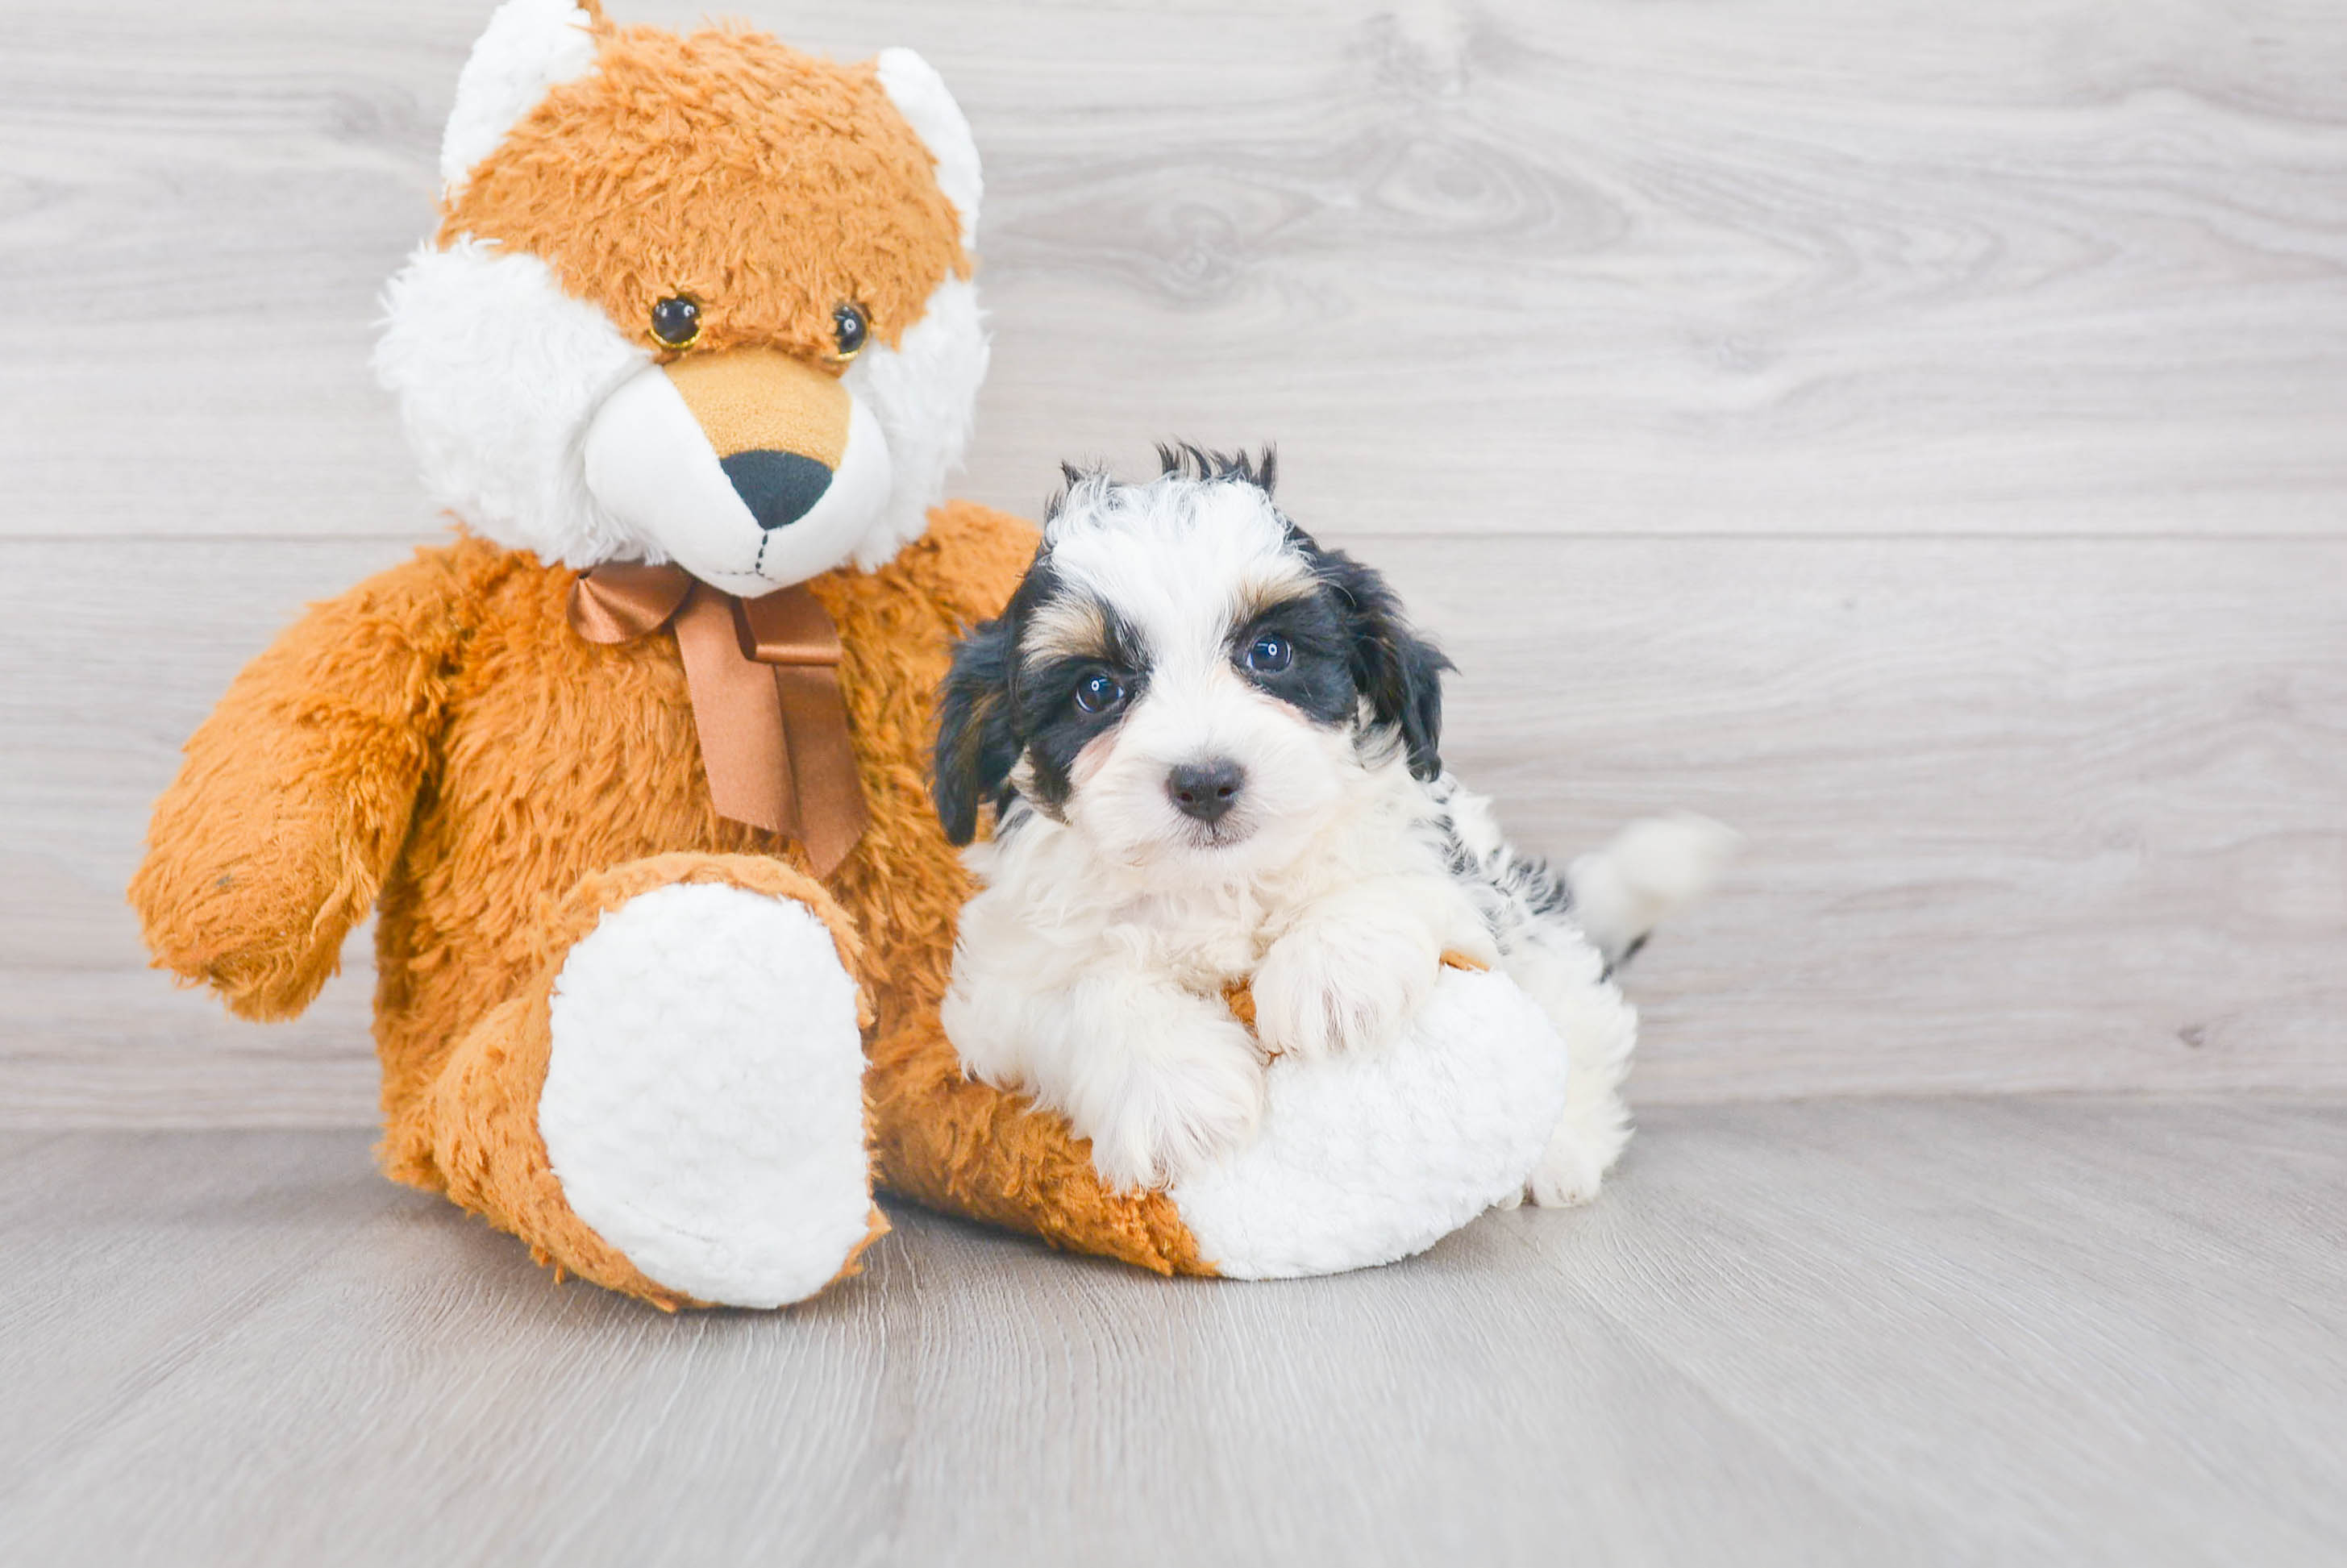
point(1187, 460)
point(1091, 486)
point(1185, 677)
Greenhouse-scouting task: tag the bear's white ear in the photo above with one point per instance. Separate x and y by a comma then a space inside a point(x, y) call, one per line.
point(530, 48)
point(919, 94)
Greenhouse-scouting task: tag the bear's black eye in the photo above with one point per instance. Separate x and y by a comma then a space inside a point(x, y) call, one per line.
point(676, 323)
point(1269, 654)
point(1099, 692)
point(849, 328)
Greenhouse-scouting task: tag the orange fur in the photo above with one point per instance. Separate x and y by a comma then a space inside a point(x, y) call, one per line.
point(768, 185)
point(439, 743)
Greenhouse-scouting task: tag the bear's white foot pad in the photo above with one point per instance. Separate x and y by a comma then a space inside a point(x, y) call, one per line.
point(1370, 1155)
point(704, 1106)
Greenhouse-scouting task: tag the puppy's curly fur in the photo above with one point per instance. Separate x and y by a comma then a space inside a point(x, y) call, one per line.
point(1211, 748)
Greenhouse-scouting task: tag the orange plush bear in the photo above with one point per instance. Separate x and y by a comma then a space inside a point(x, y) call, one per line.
point(688, 360)
point(634, 771)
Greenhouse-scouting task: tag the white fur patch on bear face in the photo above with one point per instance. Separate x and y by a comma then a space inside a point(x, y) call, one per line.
point(923, 393)
point(497, 372)
point(544, 427)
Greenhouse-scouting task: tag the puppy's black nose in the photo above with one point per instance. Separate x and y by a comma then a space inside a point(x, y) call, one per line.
point(1206, 790)
point(779, 487)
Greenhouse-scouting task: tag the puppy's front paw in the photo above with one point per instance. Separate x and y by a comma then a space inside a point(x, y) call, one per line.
point(1191, 1094)
point(1335, 985)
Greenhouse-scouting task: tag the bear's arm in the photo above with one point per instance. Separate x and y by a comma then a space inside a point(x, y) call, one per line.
point(295, 794)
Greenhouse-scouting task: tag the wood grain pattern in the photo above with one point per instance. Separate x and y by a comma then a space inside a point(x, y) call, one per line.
point(1854, 1332)
point(2041, 816)
point(1984, 372)
point(2023, 815)
point(1783, 265)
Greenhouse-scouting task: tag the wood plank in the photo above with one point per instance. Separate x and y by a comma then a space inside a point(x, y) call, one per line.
point(108, 675)
point(1607, 267)
point(2023, 815)
point(1854, 1332)
point(125, 1048)
point(2047, 815)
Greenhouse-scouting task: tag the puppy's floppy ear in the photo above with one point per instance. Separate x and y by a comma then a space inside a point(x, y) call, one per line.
point(977, 743)
point(1397, 669)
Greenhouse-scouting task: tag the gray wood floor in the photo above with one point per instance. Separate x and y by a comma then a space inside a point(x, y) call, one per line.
point(2060, 1329)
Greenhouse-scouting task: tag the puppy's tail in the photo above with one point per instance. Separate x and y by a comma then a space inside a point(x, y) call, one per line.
point(1652, 868)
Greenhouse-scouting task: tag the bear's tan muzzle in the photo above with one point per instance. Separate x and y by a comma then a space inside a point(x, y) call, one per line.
point(778, 426)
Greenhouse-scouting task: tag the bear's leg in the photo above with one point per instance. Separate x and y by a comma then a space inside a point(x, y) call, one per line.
point(960, 1146)
point(674, 1108)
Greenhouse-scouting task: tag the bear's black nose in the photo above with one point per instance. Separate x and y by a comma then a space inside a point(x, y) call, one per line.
point(1206, 790)
point(779, 487)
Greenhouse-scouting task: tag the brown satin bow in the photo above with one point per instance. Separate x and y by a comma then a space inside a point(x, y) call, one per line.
point(764, 678)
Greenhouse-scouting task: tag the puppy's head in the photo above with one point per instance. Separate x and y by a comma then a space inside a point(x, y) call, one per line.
point(1185, 678)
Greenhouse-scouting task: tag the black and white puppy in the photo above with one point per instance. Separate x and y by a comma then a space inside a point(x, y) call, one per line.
point(1210, 745)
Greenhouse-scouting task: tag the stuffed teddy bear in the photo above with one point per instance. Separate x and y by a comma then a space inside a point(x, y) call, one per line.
point(633, 772)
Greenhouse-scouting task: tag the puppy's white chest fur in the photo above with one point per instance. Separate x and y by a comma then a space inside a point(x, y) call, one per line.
point(1052, 899)
point(1098, 986)
point(1202, 940)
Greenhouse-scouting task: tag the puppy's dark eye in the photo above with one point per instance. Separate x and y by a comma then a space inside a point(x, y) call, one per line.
point(676, 323)
point(1099, 692)
point(850, 327)
point(1268, 655)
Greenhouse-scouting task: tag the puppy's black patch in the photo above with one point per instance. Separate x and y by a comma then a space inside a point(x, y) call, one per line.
point(1318, 680)
point(994, 709)
point(978, 740)
point(1525, 881)
point(1384, 660)
point(1051, 727)
point(1399, 671)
